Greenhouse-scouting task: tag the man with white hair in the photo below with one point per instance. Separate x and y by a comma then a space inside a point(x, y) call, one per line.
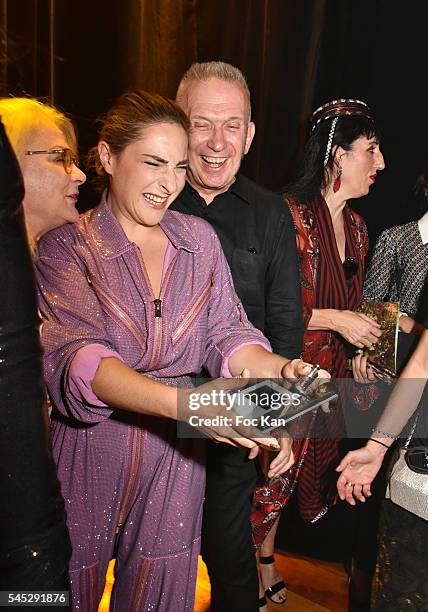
point(257, 235)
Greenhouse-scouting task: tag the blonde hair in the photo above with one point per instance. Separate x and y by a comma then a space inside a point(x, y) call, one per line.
point(22, 117)
point(203, 71)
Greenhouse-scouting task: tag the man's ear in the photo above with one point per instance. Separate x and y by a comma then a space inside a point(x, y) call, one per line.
point(106, 157)
point(251, 130)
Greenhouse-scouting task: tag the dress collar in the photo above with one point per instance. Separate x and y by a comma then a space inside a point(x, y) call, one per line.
point(112, 241)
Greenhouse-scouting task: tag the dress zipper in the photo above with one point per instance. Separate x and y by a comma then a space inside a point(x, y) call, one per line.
point(157, 302)
point(158, 308)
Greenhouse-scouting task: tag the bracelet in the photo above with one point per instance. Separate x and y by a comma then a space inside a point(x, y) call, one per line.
point(378, 441)
point(384, 434)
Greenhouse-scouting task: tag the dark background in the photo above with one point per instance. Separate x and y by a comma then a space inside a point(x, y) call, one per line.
point(80, 54)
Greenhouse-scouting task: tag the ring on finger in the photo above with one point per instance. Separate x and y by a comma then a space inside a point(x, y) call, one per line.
point(349, 484)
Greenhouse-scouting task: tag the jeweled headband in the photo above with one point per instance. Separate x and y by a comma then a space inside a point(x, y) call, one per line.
point(336, 109)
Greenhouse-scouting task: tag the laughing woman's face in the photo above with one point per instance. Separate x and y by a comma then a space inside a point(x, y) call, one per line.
point(147, 176)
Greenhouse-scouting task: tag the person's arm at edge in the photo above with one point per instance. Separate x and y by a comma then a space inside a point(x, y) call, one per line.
point(400, 408)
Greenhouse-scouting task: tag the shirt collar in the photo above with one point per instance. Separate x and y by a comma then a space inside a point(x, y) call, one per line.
point(112, 241)
point(239, 187)
point(423, 228)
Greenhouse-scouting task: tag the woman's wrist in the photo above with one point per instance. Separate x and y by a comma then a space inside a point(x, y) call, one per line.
point(334, 317)
point(324, 319)
point(283, 369)
point(378, 446)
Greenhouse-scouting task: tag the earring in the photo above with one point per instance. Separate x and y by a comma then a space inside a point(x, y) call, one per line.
point(337, 181)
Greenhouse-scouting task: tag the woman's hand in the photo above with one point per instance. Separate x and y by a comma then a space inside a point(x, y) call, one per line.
point(296, 368)
point(362, 370)
point(410, 326)
point(209, 408)
point(356, 328)
point(358, 470)
point(284, 458)
point(406, 324)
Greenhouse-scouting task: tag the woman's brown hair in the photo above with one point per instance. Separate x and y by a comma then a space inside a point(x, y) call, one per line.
point(125, 121)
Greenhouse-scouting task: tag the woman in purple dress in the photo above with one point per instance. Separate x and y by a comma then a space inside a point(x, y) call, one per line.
point(136, 298)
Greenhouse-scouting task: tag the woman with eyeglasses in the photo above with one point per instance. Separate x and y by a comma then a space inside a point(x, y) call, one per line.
point(341, 161)
point(35, 547)
point(401, 576)
point(45, 144)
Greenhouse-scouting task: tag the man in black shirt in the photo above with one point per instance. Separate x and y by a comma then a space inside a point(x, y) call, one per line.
point(257, 235)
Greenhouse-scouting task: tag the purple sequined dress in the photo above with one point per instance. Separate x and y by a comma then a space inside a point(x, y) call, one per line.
point(132, 489)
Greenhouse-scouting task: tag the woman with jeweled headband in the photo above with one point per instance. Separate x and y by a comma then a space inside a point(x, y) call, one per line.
point(341, 161)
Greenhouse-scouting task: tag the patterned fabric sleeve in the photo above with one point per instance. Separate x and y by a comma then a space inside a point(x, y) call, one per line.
point(72, 319)
point(381, 278)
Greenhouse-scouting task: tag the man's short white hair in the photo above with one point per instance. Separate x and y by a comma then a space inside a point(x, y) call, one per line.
point(203, 71)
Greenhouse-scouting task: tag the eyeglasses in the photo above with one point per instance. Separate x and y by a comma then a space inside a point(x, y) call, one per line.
point(350, 268)
point(67, 157)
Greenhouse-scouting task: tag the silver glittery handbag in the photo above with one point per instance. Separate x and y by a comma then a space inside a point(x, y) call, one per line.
point(408, 483)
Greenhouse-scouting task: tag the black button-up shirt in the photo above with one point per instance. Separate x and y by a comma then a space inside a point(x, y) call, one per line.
point(257, 234)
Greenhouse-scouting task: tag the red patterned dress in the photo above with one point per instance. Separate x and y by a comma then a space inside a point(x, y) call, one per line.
point(324, 285)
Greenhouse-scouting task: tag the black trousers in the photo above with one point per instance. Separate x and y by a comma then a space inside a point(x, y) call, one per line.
point(227, 546)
